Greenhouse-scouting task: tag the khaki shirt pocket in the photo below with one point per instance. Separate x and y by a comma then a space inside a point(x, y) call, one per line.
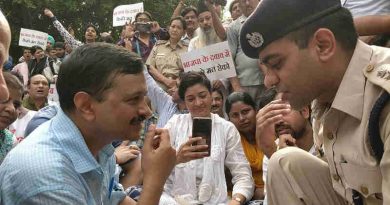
point(366, 180)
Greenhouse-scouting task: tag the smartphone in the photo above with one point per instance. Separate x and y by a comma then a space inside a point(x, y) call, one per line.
point(201, 127)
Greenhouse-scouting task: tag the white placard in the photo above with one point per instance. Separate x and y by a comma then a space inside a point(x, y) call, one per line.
point(29, 38)
point(215, 61)
point(53, 95)
point(126, 13)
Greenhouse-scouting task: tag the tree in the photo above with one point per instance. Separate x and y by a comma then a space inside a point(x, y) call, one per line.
point(78, 14)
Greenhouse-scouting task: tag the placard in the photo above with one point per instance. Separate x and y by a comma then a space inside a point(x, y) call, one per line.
point(126, 13)
point(215, 61)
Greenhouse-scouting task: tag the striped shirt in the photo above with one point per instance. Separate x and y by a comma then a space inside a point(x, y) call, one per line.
point(165, 107)
point(54, 166)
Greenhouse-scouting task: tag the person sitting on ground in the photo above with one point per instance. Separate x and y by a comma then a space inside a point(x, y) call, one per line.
point(76, 143)
point(8, 113)
point(241, 110)
point(195, 175)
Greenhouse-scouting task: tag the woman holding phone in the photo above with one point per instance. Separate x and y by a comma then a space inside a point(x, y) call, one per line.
point(197, 177)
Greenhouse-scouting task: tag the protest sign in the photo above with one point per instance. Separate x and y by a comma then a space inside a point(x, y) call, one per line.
point(29, 38)
point(53, 95)
point(126, 13)
point(215, 61)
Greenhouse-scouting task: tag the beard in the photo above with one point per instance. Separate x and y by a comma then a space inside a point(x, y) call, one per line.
point(287, 129)
point(206, 37)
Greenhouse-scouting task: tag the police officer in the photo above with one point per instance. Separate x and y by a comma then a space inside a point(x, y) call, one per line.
point(309, 50)
point(164, 62)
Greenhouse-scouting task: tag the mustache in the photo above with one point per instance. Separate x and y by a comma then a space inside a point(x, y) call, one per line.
point(137, 120)
point(282, 126)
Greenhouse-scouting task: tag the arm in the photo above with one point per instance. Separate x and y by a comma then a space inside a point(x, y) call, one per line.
point(219, 29)
point(232, 37)
point(178, 9)
point(63, 32)
point(266, 119)
point(161, 78)
point(156, 94)
point(157, 155)
point(372, 25)
point(243, 185)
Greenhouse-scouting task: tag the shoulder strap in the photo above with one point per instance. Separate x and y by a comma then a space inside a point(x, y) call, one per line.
point(373, 126)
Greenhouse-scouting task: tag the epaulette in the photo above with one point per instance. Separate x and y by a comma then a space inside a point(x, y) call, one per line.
point(161, 42)
point(379, 75)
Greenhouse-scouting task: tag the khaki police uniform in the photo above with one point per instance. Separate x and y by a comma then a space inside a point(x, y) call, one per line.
point(295, 175)
point(166, 59)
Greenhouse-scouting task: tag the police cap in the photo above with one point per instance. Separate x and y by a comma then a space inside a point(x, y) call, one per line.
point(273, 19)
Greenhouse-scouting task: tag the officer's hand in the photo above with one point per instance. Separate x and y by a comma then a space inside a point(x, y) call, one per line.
point(187, 152)
point(266, 119)
point(48, 13)
point(157, 154)
point(286, 140)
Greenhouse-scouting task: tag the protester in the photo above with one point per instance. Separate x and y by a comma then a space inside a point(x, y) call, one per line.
point(164, 62)
point(210, 29)
point(235, 10)
point(90, 32)
point(8, 114)
point(217, 103)
point(147, 33)
point(38, 90)
point(76, 143)
point(190, 15)
point(241, 110)
point(38, 63)
point(196, 175)
point(249, 78)
point(60, 50)
point(309, 51)
point(22, 68)
point(166, 104)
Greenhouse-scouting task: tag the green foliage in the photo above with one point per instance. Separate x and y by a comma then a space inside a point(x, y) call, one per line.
point(77, 13)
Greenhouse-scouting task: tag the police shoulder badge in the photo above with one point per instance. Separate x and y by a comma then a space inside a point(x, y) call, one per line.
point(255, 39)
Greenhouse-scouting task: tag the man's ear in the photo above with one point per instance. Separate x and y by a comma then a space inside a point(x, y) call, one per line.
point(325, 44)
point(305, 112)
point(84, 105)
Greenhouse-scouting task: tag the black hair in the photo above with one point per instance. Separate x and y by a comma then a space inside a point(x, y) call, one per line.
point(266, 97)
point(340, 23)
point(188, 9)
point(12, 81)
point(239, 97)
point(59, 45)
point(145, 13)
point(93, 26)
point(189, 79)
point(232, 4)
point(29, 79)
point(92, 68)
point(35, 48)
point(181, 19)
point(219, 91)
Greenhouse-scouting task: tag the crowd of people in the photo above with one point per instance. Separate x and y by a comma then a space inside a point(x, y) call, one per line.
point(304, 121)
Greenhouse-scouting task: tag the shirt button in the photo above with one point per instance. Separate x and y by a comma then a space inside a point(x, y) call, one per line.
point(364, 190)
point(330, 136)
point(370, 68)
point(336, 177)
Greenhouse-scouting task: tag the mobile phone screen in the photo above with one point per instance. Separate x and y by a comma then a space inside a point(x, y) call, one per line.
point(201, 127)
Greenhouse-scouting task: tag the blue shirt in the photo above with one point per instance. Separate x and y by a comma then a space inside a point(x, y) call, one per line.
point(165, 107)
point(54, 166)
